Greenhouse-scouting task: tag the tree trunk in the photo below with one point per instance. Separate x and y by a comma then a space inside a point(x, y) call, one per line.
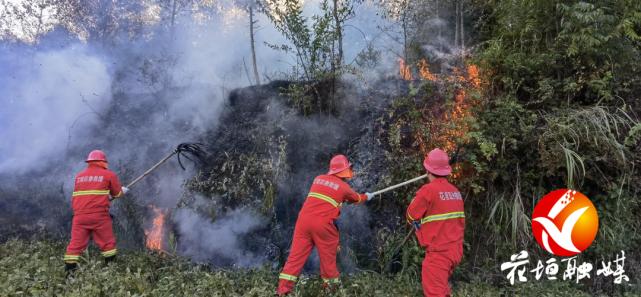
point(337, 60)
point(339, 33)
point(440, 30)
point(456, 23)
point(405, 33)
point(253, 43)
point(173, 17)
point(462, 25)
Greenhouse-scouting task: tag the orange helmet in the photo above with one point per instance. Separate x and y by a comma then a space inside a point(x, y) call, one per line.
point(338, 164)
point(96, 155)
point(437, 162)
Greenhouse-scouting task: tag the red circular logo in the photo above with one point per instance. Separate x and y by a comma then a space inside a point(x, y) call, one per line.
point(565, 222)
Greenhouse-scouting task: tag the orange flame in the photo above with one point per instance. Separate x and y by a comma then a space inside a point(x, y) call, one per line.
point(452, 128)
point(424, 70)
point(156, 232)
point(404, 70)
point(473, 76)
point(461, 109)
point(457, 116)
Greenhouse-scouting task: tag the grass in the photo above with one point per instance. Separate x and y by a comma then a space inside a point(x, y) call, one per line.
point(35, 269)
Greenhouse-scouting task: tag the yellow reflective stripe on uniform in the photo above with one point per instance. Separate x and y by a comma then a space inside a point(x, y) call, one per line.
point(287, 277)
point(325, 198)
point(409, 216)
point(71, 258)
point(109, 253)
point(90, 192)
point(443, 216)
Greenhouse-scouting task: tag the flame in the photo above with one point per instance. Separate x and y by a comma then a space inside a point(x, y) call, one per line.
point(460, 112)
point(156, 232)
point(473, 76)
point(456, 116)
point(424, 70)
point(456, 76)
point(455, 122)
point(404, 69)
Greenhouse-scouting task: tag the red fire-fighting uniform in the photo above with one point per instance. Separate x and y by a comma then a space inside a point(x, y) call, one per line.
point(438, 208)
point(90, 203)
point(315, 227)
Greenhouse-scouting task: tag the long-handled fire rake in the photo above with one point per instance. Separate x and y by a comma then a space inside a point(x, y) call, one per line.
point(407, 182)
point(184, 149)
point(453, 160)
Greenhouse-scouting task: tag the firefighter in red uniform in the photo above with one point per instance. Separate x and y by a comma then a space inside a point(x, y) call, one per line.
point(90, 203)
point(438, 215)
point(315, 226)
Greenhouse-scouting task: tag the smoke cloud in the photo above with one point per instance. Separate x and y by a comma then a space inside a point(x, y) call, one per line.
point(137, 99)
point(218, 241)
point(50, 100)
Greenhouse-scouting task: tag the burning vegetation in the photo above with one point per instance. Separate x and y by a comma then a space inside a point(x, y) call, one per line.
point(464, 87)
point(156, 234)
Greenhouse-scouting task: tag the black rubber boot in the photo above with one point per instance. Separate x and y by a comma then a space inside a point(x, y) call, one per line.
point(70, 268)
point(110, 259)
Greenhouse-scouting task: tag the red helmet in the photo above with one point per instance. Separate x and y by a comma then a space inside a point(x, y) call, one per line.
point(96, 155)
point(338, 164)
point(437, 162)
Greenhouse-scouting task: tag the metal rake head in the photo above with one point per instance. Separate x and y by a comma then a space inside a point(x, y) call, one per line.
point(187, 149)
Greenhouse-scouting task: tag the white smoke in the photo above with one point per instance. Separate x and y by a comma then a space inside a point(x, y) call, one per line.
point(53, 98)
point(218, 241)
point(54, 103)
point(49, 99)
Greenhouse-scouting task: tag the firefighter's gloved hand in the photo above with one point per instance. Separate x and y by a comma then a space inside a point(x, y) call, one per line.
point(370, 196)
point(125, 190)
